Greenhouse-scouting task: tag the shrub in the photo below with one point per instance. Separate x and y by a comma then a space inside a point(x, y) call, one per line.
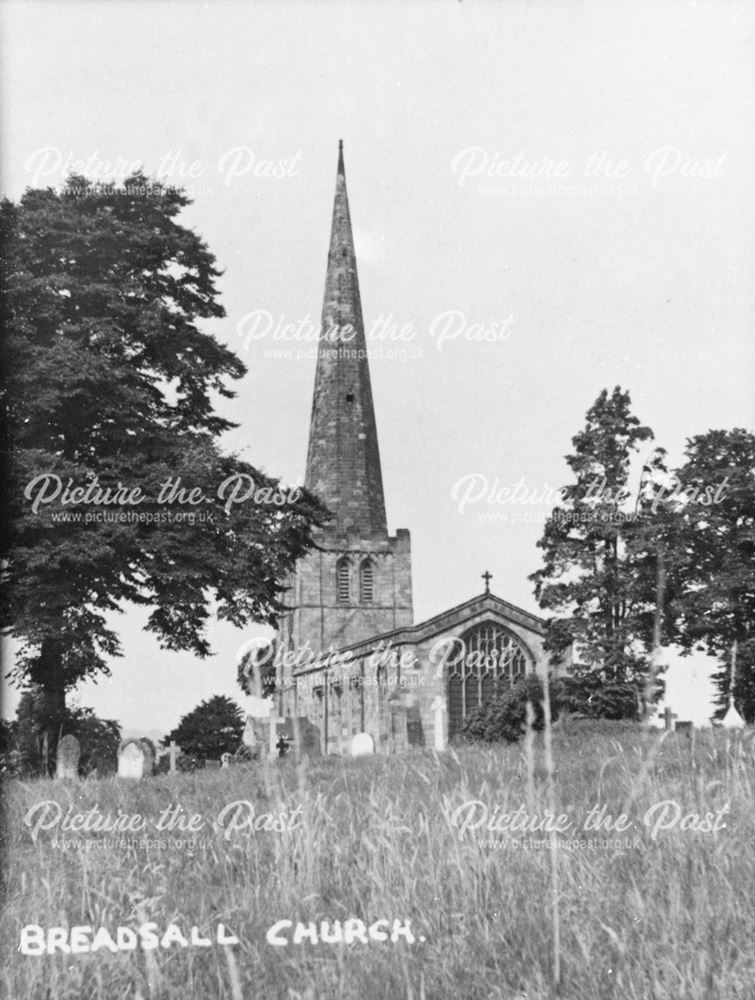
point(588, 695)
point(213, 728)
point(505, 717)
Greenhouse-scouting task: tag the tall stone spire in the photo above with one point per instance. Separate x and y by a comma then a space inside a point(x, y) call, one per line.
point(343, 460)
point(357, 582)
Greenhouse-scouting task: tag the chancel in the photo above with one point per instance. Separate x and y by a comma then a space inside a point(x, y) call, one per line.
point(402, 684)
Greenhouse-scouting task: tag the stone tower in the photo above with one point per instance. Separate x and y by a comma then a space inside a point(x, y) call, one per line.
point(358, 582)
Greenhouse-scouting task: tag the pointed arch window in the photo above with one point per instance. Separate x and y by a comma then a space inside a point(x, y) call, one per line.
point(366, 582)
point(490, 659)
point(343, 587)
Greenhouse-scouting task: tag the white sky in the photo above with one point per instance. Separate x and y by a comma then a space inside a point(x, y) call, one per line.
point(648, 284)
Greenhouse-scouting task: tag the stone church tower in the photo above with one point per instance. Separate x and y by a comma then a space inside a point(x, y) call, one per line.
point(357, 583)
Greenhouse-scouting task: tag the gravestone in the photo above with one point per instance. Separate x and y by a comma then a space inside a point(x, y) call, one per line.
point(415, 734)
point(362, 744)
point(248, 737)
point(104, 765)
point(150, 755)
point(133, 760)
point(261, 734)
point(438, 708)
point(69, 751)
point(309, 738)
point(302, 735)
point(398, 733)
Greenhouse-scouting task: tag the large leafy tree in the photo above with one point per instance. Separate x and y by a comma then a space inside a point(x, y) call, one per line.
point(110, 383)
point(714, 557)
point(599, 557)
point(213, 728)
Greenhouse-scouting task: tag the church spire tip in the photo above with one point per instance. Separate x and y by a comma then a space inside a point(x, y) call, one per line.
point(343, 460)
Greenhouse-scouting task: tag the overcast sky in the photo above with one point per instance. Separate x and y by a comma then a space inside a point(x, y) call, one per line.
point(615, 246)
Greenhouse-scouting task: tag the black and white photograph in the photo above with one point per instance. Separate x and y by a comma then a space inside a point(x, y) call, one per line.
point(378, 494)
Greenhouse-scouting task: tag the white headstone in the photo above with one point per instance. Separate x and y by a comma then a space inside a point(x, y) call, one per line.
point(69, 751)
point(131, 759)
point(362, 744)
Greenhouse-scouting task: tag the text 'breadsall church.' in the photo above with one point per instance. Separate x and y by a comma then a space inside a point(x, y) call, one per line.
point(368, 668)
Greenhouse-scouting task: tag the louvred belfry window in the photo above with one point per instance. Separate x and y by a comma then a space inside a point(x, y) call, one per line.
point(343, 589)
point(366, 582)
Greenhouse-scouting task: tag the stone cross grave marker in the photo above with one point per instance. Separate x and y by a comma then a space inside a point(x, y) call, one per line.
point(669, 718)
point(171, 751)
point(69, 752)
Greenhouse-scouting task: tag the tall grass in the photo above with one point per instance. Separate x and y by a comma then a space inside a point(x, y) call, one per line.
point(664, 919)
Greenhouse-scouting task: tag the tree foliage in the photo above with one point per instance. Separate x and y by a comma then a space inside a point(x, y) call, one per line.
point(714, 558)
point(588, 695)
point(111, 383)
point(676, 564)
point(599, 565)
point(213, 728)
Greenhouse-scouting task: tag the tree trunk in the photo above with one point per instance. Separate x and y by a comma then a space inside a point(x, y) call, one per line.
point(48, 674)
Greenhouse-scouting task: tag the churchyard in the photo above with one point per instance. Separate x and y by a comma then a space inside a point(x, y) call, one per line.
point(418, 876)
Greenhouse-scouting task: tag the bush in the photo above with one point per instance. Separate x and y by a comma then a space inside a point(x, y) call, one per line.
point(505, 717)
point(213, 728)
point(589, 696)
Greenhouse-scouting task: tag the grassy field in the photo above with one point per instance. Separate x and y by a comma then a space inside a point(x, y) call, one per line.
point(664, 914)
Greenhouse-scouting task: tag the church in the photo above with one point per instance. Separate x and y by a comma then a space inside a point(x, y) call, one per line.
point(351, 660)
